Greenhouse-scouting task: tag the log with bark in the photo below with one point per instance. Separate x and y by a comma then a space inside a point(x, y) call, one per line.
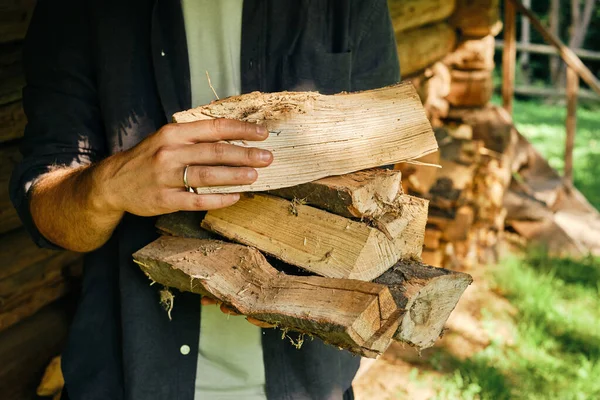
point(319, 241)
point(407, 14)
point(421, 47)
point(410, 302)
point(339, 133)
point(359, 316)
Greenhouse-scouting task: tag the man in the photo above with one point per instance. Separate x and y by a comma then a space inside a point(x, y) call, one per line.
point(101, 161)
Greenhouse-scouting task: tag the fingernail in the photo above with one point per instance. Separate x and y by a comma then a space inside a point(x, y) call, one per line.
point(251, 174)
point(235, 196)
point(261, 130)
point(265, 156)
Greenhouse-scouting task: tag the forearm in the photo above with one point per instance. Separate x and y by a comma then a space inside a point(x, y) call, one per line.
point(69, 208)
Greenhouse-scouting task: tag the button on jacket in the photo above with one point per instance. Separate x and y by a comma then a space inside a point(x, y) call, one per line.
point(104, 74)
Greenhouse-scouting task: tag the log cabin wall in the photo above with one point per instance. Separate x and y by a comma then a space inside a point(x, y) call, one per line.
point(445, 49)
point(34, 283)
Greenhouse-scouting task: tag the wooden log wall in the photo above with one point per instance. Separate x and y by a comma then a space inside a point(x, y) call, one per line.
point(33, 282)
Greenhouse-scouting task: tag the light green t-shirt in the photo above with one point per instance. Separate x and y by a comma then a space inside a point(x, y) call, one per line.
point(230, 359)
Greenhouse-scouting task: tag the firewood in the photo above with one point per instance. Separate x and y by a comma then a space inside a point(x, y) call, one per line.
point(477, 18)
point(421, 47)
point(313, 136)
point(316, 240)
point(472, 54)
point(12, 121)
point(428, 295)
point(488, 125)
point(433, 257)
point(433, 85)
point(432, 238)
point(370, 193)
point(471, 88)
point(407, 14)
point(455, 227)
point(359, 316)
point(419, 178)
point(460, 175)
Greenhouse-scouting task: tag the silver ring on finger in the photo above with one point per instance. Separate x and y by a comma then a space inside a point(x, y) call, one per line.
point(187, 187)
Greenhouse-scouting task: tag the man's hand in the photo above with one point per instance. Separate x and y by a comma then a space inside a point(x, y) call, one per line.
point(148, 179)
point(79, 208)
point(208, 301)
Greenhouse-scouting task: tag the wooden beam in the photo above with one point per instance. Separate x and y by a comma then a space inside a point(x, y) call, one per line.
point(359, 316)
point(408, 14)
point(317, 240)
point(568, 56)
point(509, 56)
point(370, 193)
point(428, 295)
point(571, 123)
point(314, 136)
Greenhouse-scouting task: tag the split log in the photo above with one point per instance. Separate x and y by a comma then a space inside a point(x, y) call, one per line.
point(465, 152)
point(433, 257)
point(477, 18)
point(460, 175)
point(421, 47)
point(313, 136)
point(407, 14)
point(432, 238)
point(419, 178)
point(455, 227)
point(359, 316)
point(317, 240)
point(9, 157)
point(471, 88)
point(26, 349)
point(12, 121)
point(428, 295)
point(488, 123)
point(473, 54)
point(370, 193)
point(433, 85)
point(14, 19)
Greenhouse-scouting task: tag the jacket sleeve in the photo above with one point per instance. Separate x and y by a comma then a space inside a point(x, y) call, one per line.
point(60, 101)
point(375, 58)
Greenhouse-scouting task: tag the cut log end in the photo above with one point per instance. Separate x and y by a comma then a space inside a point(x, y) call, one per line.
point(428, 295)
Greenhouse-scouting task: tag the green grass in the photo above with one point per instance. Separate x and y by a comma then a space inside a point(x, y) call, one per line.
point(556, 351)
point(544, 125)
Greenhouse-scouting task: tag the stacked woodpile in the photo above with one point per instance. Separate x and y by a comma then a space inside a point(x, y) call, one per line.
point(357, 234)
point(32, 329)
point(466, 215)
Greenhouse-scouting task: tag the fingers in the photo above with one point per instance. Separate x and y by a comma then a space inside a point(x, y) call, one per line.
point(214, 130)
point(224, 154)
point(185, 201)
